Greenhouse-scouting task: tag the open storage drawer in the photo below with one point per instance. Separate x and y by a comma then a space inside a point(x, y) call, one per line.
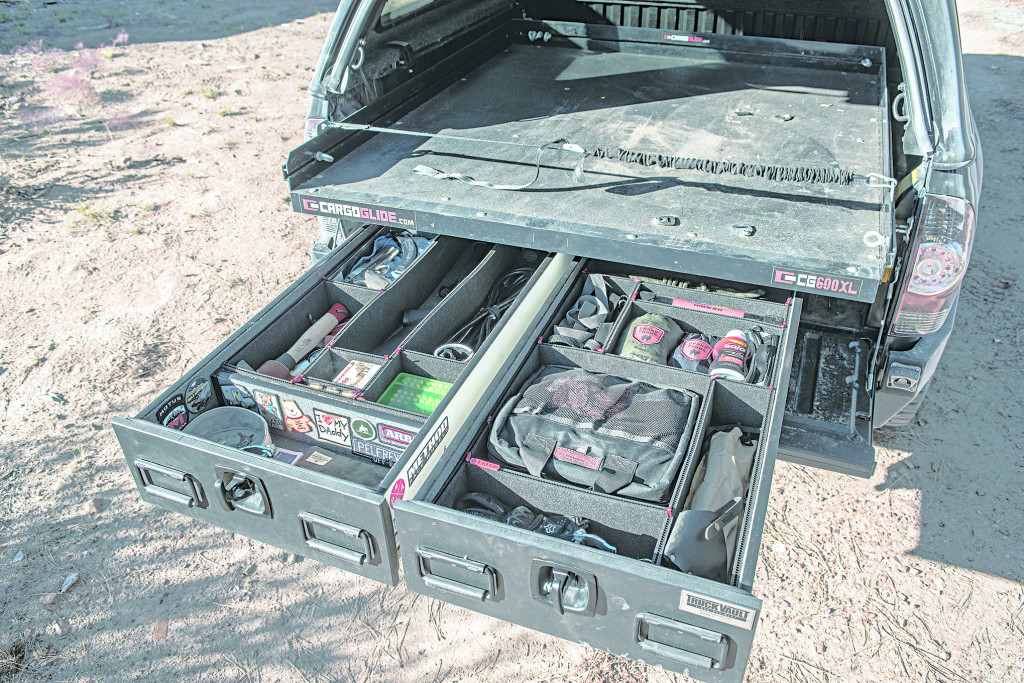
point(634, 601)
point(312, 477)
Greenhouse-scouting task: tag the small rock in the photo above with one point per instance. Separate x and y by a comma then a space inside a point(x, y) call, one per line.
point(18, 557)
point(55, 397)
point(48, 598)
point(819, 647)
point(69, 582)
point(160, 629)
point(61, 627)
point(250, 570)
point(67, 557)
point(93, 506)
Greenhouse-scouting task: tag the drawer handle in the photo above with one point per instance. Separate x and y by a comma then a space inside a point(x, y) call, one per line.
point(715, 642)
point(146, 470)
point(308, 520)
point(423, 558)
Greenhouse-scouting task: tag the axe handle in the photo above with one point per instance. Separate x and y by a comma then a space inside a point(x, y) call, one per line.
point(309, 339)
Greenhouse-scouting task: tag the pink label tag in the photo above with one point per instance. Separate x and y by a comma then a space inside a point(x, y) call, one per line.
point(697, 306)
point(647, 334)
point(486, 464)
point(576, 458)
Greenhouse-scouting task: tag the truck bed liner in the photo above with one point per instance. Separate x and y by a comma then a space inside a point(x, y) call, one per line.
point(728, 98)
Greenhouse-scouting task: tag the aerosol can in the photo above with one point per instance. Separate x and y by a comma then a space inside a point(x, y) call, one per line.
point(730, 356)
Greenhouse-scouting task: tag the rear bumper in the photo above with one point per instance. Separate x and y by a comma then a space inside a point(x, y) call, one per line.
point(924, 355)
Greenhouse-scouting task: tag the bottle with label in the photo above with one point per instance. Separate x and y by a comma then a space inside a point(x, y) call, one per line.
point(730, 356)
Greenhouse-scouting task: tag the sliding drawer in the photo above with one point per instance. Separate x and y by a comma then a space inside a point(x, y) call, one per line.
point(338, 426)
point(633, 602)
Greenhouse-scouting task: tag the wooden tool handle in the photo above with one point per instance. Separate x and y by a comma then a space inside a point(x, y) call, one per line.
point(309, 339)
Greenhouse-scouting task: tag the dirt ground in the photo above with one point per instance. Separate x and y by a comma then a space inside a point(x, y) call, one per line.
point(143, 218)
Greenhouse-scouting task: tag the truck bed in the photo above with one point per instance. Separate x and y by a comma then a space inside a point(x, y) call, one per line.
point(728, 98)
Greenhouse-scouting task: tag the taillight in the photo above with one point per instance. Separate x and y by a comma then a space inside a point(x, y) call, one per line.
point(940, 256)
point(311, 126)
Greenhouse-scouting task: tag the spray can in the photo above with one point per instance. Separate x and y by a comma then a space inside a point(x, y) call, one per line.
point(730, 356)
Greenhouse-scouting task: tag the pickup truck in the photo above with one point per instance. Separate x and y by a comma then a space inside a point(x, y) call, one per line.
point(796, 172)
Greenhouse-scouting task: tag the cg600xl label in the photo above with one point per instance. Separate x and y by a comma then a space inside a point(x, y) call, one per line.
point(816, 282)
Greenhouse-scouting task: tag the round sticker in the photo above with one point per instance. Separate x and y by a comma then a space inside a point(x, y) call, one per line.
point(397, 492)
point(172, 414)
point(363, 429)
point(197, 395)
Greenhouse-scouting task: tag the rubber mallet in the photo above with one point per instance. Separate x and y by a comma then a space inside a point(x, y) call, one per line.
point(282, 367)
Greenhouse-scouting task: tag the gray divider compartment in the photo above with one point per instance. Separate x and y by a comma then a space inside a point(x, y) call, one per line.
point(693, 288)
point(338, 274)
point(711, 324)
point(278, 337)
point(622, 286)
point(343, 464)
point(414, 363)
point(631, 526)
point(456, 309)
point(754, 309)
point(321, 374)
point(379, 329)
point(732, 403)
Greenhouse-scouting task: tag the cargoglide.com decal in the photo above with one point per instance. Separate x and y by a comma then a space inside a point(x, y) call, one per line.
point(399, 218)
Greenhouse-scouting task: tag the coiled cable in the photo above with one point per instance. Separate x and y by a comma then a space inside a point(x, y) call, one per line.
point(500, 298)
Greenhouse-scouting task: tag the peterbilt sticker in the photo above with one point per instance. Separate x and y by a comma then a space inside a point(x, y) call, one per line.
point(817, 282)
point(717, 610)
point(374, 214)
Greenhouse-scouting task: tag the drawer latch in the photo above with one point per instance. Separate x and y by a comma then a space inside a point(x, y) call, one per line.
point(237, 491)
point(565, 589)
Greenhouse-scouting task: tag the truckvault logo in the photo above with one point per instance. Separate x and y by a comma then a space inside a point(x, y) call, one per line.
point(719, 611)
point(374, 214)
point(816, 282)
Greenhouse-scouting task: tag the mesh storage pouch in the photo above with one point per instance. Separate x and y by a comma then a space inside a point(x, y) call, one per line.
point(610, 434)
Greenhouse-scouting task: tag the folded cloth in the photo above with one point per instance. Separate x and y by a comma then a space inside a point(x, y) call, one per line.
point(588, 323)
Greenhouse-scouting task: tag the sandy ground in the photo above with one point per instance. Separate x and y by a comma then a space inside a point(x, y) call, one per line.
point(143, 218)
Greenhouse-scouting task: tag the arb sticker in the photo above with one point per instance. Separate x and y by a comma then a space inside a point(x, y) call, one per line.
point(395, 436)
point(333, 428)
point(719, 611)
point(172, 414)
